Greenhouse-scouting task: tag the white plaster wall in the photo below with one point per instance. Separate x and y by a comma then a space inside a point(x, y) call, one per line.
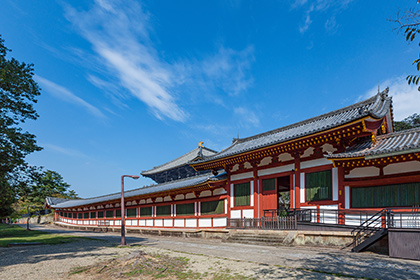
point(235, 168)
point(117, 223)
point(190, 222)
point(251, 198)
point(285, 157)
point(308, 152)
point(352, 220)
point(241, 176)
point(219, 222)
point(149, 223)
point(179, 197)
point(328, 148)
point(315, 163)
point(189, 195)
point(179, 222)
point(226, 205)
point(134, 222)
point(158, 222)
point(167, 222)
point(328, 217)
point(235, 214)
point(205, 193)
point(294, 197)
point(149, 200)
point(247, 165)
point(204, 222)
point(248, 213)
point(159, 199)
point(334, 184)
point(128, 222)
point(219, 191)
point(402, 167)
point(363, 172)
point(302, 187)
point(265, 161)
point(347, 197)
point(167, 198)
point(275, 170)
point(142, 222)
point(232, 195)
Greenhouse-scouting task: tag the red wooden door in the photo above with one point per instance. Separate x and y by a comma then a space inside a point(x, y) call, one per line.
point(269, 196)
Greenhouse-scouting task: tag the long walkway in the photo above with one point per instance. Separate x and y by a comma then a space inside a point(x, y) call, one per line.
point(329, 260)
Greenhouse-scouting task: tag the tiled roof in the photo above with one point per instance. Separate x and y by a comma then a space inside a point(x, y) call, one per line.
point(394, 143)
point(54, 200)
point(182, 160)
point(377, 106)
point(183, 183)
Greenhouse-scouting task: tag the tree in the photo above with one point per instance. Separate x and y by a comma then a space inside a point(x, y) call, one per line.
point(46, 183)
point(408, 123)
point(18, 93)
point(409, 22)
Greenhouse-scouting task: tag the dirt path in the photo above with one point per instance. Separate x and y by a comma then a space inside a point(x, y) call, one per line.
point(210, 259)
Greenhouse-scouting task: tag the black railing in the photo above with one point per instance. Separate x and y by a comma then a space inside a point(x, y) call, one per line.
point(380, 220)
point(280, 223)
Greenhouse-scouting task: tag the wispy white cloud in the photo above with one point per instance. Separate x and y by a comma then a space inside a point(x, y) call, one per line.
point(130, 64)
point(313, 7)
point(405, 97)
point(246, 117)
point(119, 34)
point(66, 95)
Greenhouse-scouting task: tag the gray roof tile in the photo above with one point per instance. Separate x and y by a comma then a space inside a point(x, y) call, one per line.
point(180, 161)
point(183, 183)
point(397, 142)
point(376, 106)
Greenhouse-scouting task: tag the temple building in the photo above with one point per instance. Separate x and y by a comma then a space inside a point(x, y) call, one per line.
point(348, 159)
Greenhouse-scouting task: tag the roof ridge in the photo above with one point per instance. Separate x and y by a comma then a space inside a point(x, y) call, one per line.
point(347, 108)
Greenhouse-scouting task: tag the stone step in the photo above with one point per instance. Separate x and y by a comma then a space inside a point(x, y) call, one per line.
point(257, 238)
point(253, 242)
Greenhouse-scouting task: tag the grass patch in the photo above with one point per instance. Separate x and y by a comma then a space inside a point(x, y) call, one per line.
point(16, 234)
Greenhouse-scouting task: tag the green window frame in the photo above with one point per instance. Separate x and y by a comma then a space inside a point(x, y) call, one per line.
point(100, 214)
point(109, 214)
point(118, 213)
point(131, 212)
point(164, 210)
point(74, 215)
point(93, 215)
point(80, 216)
point(242, 194)
point(318, 185)
point(213, 207)
point(269, 184)
point(145, 211)
point(186, 209)
point(396, 195)
point(86, 215)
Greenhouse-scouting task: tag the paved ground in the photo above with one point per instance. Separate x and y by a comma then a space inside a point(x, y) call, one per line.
point(328, 261)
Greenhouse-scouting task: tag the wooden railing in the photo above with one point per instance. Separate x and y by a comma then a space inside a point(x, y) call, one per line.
point(282, 223)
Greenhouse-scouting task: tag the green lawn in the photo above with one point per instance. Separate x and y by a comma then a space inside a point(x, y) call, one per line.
point(16, 234)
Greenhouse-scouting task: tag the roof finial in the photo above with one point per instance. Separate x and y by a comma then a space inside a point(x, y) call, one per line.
point(200, 144)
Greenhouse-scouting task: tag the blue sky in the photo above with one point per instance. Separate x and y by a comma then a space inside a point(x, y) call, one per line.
point(128, 85)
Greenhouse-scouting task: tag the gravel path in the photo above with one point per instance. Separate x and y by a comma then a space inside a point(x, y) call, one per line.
point(211, 256)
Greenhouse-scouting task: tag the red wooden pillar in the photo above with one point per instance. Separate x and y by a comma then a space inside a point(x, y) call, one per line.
point(257, 191)
point(228, 192)
point(341, 196)
point(297, 180)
